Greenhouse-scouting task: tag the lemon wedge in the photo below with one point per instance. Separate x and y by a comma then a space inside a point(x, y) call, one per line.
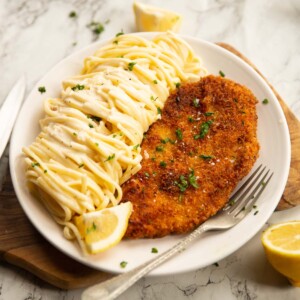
point(103, 229)
point(282, 246)
point(150, 18)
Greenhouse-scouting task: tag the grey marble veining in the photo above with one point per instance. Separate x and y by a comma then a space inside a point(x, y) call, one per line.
point(35, 35)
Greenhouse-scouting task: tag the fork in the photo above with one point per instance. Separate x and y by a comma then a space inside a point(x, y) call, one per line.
point(238, 206)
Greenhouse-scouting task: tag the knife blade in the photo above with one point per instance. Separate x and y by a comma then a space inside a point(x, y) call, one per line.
point(9, 111)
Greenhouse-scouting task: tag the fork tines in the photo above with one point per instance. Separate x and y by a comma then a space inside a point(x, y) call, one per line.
point(250, 191)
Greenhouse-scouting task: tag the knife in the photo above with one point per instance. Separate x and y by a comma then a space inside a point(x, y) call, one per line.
point(9, 111)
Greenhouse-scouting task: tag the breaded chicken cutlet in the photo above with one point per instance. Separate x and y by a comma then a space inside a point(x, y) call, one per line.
point(193, 157)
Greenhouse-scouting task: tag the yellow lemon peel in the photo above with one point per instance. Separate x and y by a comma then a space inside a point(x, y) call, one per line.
point(282, 246)
point(151, 18)
point(103, 229)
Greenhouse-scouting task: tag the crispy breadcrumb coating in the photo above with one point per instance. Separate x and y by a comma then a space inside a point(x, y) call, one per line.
point(193, 158)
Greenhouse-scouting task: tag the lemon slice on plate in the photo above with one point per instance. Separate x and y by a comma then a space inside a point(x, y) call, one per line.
point(150, 18)
point(282, 246)
point(105, 228)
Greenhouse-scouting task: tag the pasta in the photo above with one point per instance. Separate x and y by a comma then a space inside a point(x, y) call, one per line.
point(90, 137)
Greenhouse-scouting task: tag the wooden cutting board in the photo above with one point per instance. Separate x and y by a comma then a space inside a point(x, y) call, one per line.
point(23, 246)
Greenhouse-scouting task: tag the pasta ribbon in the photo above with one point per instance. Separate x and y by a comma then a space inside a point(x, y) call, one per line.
point(90, 137)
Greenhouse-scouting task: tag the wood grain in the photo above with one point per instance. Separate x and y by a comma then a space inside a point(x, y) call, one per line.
point(23, 246)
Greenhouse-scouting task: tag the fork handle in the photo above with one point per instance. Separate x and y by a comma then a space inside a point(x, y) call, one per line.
point(112, 288)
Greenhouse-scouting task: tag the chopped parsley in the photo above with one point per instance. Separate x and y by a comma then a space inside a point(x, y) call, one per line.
point(45, 171)
point(206, 157)
point(136, 147)
point(147, 174)
point(120, 33)
point(177, 84)
point(78, 87)
point(73, 14)
point(159, 148)
point(179, 134)
point(110, 157)
point(153, 99)
point(166, 140)
point(192, 179)
point(196, 102)
point(256, 213)
point(91, 125)
point(81, 165)
point(94, 118)
point(208, 113)
point(131, 65)
point(159, 110)
point(42, 89)
point(35, 164)
point(191, 119)
point(231, 202)
point(265, 101)
point(155, 81)
point(183, 183)
point(204, 128)
point(123, 264)
point(96, 27)
point(222, 73)
point(163, 164)
point(92, 228)
point(154, 250)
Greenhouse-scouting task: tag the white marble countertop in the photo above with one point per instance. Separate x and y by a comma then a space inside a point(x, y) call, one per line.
point(35, 35)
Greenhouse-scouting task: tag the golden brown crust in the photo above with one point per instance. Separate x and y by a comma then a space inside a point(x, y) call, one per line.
point(198, 152)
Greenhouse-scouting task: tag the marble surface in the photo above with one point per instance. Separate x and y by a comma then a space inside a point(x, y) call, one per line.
point(35, 35)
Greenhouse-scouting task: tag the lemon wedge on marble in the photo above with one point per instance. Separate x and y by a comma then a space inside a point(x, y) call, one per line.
point(150, 18)
point(282, 246)
point(103, 229)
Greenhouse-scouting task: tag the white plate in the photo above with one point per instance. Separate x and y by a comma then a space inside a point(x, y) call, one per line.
point(274, 140)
